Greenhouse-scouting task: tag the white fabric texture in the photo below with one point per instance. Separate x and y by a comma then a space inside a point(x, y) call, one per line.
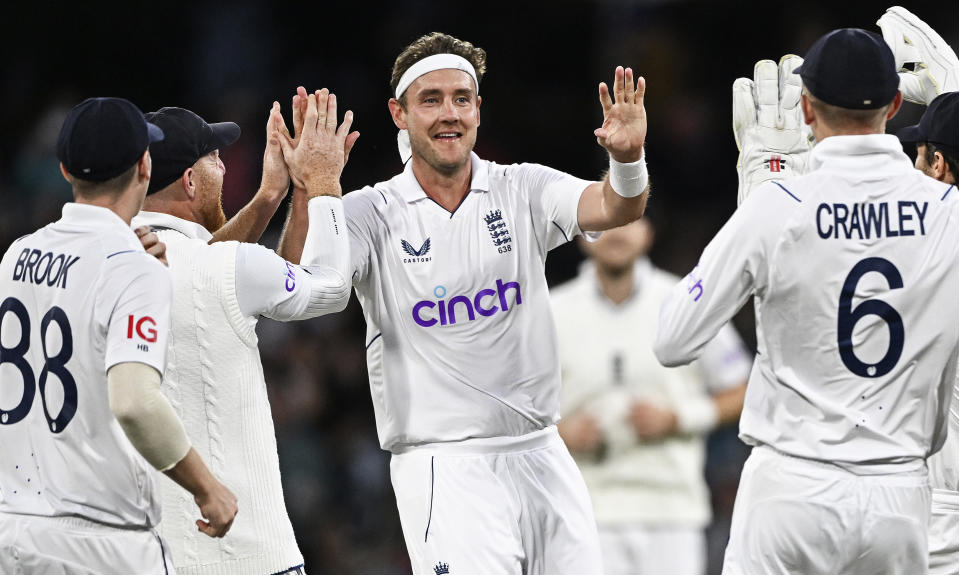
point(607, 362)
point(215, 382)
point(450, 299)
point(813, 250)
point(86, 284)
point(31, 545)
point(641, 550)
point(499, 506)
point(800, 517)
point(944, 533)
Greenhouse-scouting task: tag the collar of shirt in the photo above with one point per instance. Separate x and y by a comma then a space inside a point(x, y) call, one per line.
point(160, 220)
point(411, 190)
point(873, 152)
point(92, 216)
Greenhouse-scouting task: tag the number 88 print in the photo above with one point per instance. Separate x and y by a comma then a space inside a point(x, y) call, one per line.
point(56, 365)
point(849, 317)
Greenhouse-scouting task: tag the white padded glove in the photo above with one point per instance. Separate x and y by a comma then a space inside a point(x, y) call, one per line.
point(773, 139)
point(913, 42)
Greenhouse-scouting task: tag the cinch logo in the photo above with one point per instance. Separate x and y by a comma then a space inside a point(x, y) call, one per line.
point(483, 303)
point(149, 334)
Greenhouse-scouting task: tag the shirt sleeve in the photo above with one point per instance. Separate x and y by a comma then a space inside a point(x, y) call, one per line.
point(554, 202)
point(725, 362)
point(360, 217)
point(270, 286)
point(139, 321)
point(732, 267)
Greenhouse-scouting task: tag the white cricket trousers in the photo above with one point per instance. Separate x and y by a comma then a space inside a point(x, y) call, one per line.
point(944, 533)
point(796, 516)
point(496, 506)
point(33, 545)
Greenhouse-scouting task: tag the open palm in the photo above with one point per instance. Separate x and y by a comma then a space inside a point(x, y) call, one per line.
point(624, 117)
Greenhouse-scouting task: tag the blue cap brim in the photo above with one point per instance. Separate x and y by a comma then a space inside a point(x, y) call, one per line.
point(910, 134)
point(154, 132)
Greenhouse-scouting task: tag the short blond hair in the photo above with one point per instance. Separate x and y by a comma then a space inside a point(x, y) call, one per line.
point(437, 43)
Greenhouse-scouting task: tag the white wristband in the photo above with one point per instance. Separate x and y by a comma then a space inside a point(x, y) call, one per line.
point(628, 180)
point(698, 416)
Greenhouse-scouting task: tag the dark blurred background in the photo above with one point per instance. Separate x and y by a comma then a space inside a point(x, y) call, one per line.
point(228, 61)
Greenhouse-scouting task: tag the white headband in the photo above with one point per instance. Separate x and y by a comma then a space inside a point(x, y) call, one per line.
point(425, 66)
point(432, 64)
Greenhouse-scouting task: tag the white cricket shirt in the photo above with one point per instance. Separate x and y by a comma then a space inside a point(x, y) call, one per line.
point(608, 364)
point(215, 381)
point(460, 336)
point(853, 269)
point(76, 298)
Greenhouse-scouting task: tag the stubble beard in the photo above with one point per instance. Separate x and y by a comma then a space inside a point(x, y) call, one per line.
point(426, 152)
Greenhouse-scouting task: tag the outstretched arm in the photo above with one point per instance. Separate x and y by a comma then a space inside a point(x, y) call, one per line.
point(621, 197)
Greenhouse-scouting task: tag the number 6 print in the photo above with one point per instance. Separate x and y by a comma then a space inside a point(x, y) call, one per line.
point(849, 317)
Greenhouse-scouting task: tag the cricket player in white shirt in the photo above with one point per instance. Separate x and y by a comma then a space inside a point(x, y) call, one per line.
point(84, 322)
point(448, 263)
point(221, 288)
point(933, 80)
point(853, 269)
point(636, 428)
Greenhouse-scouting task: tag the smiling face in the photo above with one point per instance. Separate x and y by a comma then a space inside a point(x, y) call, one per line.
point(441, 112)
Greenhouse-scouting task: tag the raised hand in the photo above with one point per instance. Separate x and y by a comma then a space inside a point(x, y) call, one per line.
point(624, 120)
point(936, 67)
point(299, 110)
point(771, 133)
point(276, 176)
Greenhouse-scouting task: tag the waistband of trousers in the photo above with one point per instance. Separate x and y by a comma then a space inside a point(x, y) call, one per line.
point(903, 471)
point(487, 445)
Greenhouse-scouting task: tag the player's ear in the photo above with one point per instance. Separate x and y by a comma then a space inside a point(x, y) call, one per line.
point(145, 165)
point(398, 113)
point(939, 166)
point(894, 107)
point(809, 114)
point(189, 185)
point(65, 173)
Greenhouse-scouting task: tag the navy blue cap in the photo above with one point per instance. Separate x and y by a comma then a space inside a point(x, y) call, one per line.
point(939, 125)
point(188, 138)
point(851, 68)
point(103, 137)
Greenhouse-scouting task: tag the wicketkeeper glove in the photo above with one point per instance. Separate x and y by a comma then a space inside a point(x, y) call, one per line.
point(772, 137)
point(913, 42)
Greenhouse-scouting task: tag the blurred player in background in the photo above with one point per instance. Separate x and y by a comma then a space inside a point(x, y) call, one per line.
point(215, 377)
point(83, 330)
point(636, 428)
point(853, 269)
point(933, 81)
point(448, 262)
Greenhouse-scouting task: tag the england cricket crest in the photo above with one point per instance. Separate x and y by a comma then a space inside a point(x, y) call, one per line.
point(498, 230)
